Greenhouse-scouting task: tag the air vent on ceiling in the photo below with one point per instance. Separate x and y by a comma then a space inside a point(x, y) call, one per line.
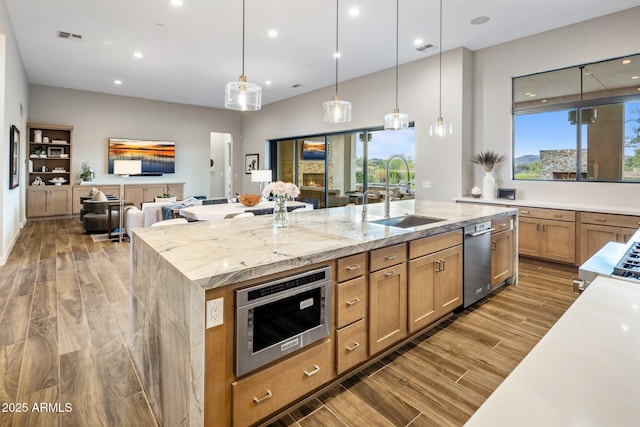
point(69, 36)
point(296, 85)
point(426, 47)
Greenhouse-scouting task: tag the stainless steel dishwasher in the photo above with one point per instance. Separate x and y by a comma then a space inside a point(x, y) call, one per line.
point(477, 262)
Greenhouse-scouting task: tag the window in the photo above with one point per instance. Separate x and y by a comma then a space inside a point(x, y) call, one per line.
point(579, 124)
point(330, 169)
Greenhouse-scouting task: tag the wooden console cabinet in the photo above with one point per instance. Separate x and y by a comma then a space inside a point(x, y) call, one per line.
point(597, 229)
point(48, 200)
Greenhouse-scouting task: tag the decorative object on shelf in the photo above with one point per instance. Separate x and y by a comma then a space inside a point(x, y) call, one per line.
point(87, 173)
point(250, 199)
point(37, 136)
point(38, 182)
point(396, 120)
point(282, 191)
point(166, 197)
point(251, 163)
point(45, 140)
point(488, 160)
point(38, 151)
point(57, 180)
point(124, 168)
point(336, 111)
point(440, 128)
point(476, 192)
point(241, 95)
point(55, 151)
point(14, 157)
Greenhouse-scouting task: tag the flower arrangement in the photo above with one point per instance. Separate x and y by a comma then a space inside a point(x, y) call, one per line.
point(287, 190)
point(487, 159)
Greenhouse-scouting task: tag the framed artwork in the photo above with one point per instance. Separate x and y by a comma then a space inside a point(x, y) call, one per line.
point(55, 151)
point(157, 157)
point(313, 150)
point(251, 162)
point(14, 157)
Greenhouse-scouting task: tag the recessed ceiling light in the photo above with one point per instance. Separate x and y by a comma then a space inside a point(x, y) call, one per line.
point(626, 61)
point(117, 82)
point(268, 83)
point(336, 55)
point(176, 3)
point(480, 20)
point(272, 33)
point(137, 55)
point(418, 42)
point(635, 77)
point(544, 100)
point(531, 95)
point(354, 11)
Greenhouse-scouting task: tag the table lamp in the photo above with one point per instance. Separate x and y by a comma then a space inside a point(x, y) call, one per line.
point(261, 176)
point(125, 168)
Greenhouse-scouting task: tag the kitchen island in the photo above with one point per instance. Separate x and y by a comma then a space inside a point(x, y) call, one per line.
point(173, 270)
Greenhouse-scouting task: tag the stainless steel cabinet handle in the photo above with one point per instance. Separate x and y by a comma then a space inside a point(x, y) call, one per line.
point(544, 227)
point(480, 233)
point(314, 371)
point(353, 267)
point(390, 273)
point(537, 227)
point(390, 257)
point(353, 347)
point(617, 237)
point(601, 219)
point(494, 245)
point(353, 302)
point(558, 216)
point(267, 396)
point(444, 265)
point(437, 265)
point(525, 212)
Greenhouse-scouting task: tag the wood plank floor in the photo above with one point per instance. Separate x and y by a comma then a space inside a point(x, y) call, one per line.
point(64, 334)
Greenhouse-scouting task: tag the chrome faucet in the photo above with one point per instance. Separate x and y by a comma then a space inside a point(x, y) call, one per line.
point(364, 203)
point(387, 195)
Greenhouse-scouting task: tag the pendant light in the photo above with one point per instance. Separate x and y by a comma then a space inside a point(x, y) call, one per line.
point(241, 95)
point(336, 111)
point(396, 120)
point(440, 128)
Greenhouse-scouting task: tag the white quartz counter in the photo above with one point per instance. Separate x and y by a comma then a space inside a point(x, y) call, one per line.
point(584, 372)
point(216, 253)
point(585, 207)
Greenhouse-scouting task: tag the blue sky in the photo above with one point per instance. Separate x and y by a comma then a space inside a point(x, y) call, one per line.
point(552, 130)
point(386, 143)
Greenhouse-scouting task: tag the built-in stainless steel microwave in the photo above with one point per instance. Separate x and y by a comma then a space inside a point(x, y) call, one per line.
point(277, 318)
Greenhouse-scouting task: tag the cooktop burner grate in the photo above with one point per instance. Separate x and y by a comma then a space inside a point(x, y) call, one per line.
point(629, 264)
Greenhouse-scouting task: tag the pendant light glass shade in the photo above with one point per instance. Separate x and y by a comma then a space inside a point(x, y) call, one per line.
point(241, 95)
point(440, 128)
point(336, 111)
point(396, 120)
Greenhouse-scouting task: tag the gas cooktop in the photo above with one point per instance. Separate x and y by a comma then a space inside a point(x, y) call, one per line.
point(629, 264)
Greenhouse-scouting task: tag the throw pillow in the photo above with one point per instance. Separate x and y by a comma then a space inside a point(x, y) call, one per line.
point(99, 197)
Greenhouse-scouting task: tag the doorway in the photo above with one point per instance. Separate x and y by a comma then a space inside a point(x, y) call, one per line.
point(220, 165)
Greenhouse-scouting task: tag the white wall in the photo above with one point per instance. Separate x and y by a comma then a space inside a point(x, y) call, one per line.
point(96, 117)
point(13, 93)
point(372, 97)
point(602, 38)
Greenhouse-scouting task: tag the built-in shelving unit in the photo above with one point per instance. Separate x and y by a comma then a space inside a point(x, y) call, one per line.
point(49, 153)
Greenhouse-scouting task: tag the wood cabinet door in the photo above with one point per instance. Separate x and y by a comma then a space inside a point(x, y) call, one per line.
point(501, 256)
point(626, 234)
point(351, 346)
point(134, 194)
point(421, 299)
point(387, 307)
point(593, 237)
point(36, 202)
point(449, 280)
point(154, 190)
point(558, 241)
point(529, 236)
point(59, 201)
point(176, 190)
point(351, 301)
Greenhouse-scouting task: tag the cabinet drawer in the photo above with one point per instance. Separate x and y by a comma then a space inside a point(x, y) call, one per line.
point(351, 345)
point(501, 224)
point(269, 390)
point(352, 266)
point(610, 219)
point(431, 244)
point(386, 257)
point(555, 214)
point(351, 300)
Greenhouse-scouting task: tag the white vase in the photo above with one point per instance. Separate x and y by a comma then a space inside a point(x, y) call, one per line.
point(489, 186)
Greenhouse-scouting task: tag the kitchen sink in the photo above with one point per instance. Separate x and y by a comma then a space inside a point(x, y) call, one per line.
point(407, 221)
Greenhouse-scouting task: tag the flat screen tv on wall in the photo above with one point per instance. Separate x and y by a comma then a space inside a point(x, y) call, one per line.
point(157, 157)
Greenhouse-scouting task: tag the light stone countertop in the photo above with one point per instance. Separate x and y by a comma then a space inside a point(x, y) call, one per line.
point(583, 372)
point(586, 207)
point(217, 253)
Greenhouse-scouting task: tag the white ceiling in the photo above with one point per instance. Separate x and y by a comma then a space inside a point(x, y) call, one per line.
point(190, 52)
